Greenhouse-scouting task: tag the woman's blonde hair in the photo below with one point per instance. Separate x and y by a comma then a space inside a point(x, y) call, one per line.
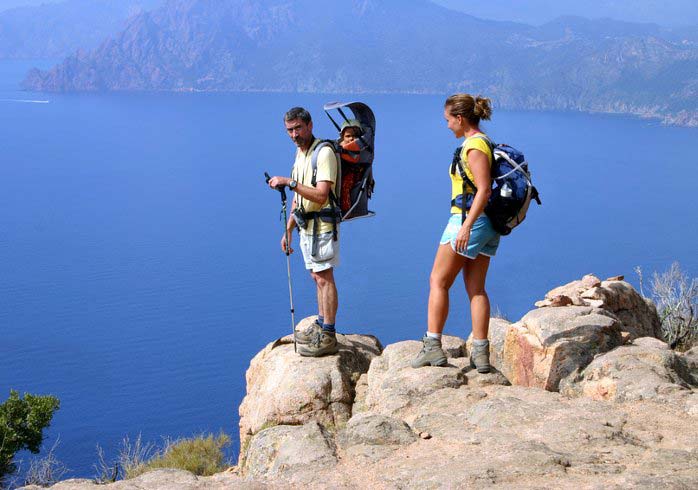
point(472, 109)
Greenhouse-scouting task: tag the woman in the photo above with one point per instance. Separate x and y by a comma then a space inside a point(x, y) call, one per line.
point(466, 244)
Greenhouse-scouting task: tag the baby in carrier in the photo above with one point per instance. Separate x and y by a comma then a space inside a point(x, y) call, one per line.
point(351, 146)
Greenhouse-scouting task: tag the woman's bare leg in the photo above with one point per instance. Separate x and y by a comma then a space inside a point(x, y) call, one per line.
point(474, 275)
point(447, 264)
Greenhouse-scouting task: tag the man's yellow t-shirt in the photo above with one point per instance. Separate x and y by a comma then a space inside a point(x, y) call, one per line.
point(476, 142)
point(303, 173)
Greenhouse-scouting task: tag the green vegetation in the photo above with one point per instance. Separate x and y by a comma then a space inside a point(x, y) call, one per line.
point(202, 455)
point(22, 421)
point(268, 425)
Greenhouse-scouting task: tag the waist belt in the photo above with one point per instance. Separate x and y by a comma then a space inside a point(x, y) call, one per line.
point(333, 216)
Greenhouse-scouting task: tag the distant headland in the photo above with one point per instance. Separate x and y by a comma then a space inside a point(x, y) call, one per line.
point(573, 64)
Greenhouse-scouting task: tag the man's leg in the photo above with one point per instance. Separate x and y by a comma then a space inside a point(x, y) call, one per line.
point(327, 295)
point(326, 342)
point(320, 310)
point(308, 334)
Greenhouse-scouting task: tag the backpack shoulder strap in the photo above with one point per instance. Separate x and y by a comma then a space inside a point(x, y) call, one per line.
point(314, 157)
point(458, 164)
point(486, 139)
point(313, 162)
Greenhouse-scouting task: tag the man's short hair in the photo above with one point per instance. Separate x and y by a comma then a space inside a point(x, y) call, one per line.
point(298, 113)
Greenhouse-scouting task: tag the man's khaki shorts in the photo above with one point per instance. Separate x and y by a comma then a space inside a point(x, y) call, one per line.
point(327, 255)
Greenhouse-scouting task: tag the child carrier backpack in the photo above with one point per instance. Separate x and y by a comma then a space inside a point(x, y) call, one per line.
point(355, 182)
point(512, 188)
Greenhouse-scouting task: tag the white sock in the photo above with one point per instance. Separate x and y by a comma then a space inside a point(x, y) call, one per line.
point(481, 342)
point(434, 335)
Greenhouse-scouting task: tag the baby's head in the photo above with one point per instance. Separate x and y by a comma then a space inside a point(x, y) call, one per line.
point(351, 129)
point(349, 134)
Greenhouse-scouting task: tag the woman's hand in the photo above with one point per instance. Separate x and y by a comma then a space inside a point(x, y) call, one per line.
point(462, 238)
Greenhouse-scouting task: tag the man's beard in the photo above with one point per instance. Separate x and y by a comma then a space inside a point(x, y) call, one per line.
point(302, 142)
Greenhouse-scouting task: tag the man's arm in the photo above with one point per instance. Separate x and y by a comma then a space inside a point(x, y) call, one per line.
point(318, 194)
point(326, 176)
point(287, 238)
point(291, 223)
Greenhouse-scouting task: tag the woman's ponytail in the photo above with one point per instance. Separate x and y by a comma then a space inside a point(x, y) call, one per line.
point(473, 109)
point(483, 108)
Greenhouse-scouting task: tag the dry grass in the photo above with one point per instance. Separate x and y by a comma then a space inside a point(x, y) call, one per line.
point(202, 455)
point(676, 298)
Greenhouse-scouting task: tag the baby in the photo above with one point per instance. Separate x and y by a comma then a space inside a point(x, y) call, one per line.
point(347, 140)
point(350, 153)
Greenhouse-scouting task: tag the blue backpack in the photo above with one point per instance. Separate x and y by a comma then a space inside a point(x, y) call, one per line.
point(512, 188)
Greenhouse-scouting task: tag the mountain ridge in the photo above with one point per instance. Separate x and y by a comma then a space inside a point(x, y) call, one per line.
point(54, 30)
point(278, 45)
point(674, 13)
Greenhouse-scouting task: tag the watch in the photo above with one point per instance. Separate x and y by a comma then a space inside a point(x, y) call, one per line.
point(292, 185)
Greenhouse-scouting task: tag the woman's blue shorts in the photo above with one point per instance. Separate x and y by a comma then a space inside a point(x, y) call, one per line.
point(483, 238)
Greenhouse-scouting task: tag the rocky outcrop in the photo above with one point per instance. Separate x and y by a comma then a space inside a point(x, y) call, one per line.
point(287, 449)
point(642, 370)
point(167, 479)
point(549, 344)
point(450, 426)
point(393, 386)
point(573, 324)
point(637, 315)
point(498, 436)
point(284, 388)
point(690, 360)
point(625, 417)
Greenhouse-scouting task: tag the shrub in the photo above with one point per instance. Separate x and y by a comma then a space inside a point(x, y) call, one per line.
point(676, 299)
point(202, 455)
point(22, 422)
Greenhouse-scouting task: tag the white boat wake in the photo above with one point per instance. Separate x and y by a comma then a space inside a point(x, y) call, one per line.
point(25, 101)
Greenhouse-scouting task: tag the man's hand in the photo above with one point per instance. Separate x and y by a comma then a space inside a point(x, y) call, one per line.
point(284, 245)
point(278, 182)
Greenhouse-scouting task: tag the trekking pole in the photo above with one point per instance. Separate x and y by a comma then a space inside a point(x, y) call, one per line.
point(282, 190)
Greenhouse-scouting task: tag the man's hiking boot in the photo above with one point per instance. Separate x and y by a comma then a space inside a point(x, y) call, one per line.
point(309, 333)
point(323, 344)
point(480, 358)
point(431, 354)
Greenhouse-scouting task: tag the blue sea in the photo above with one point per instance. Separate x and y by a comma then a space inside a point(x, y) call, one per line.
point(140, 268)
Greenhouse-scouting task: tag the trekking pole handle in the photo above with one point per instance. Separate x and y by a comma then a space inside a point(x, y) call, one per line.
point(280, 188)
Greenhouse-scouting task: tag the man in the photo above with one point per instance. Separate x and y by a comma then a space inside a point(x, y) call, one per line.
point(314, 211)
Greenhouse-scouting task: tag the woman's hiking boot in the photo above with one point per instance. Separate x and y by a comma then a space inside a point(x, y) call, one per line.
point(431, 354)
point(308, 334)
point(324, 343)
point(480, 358)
